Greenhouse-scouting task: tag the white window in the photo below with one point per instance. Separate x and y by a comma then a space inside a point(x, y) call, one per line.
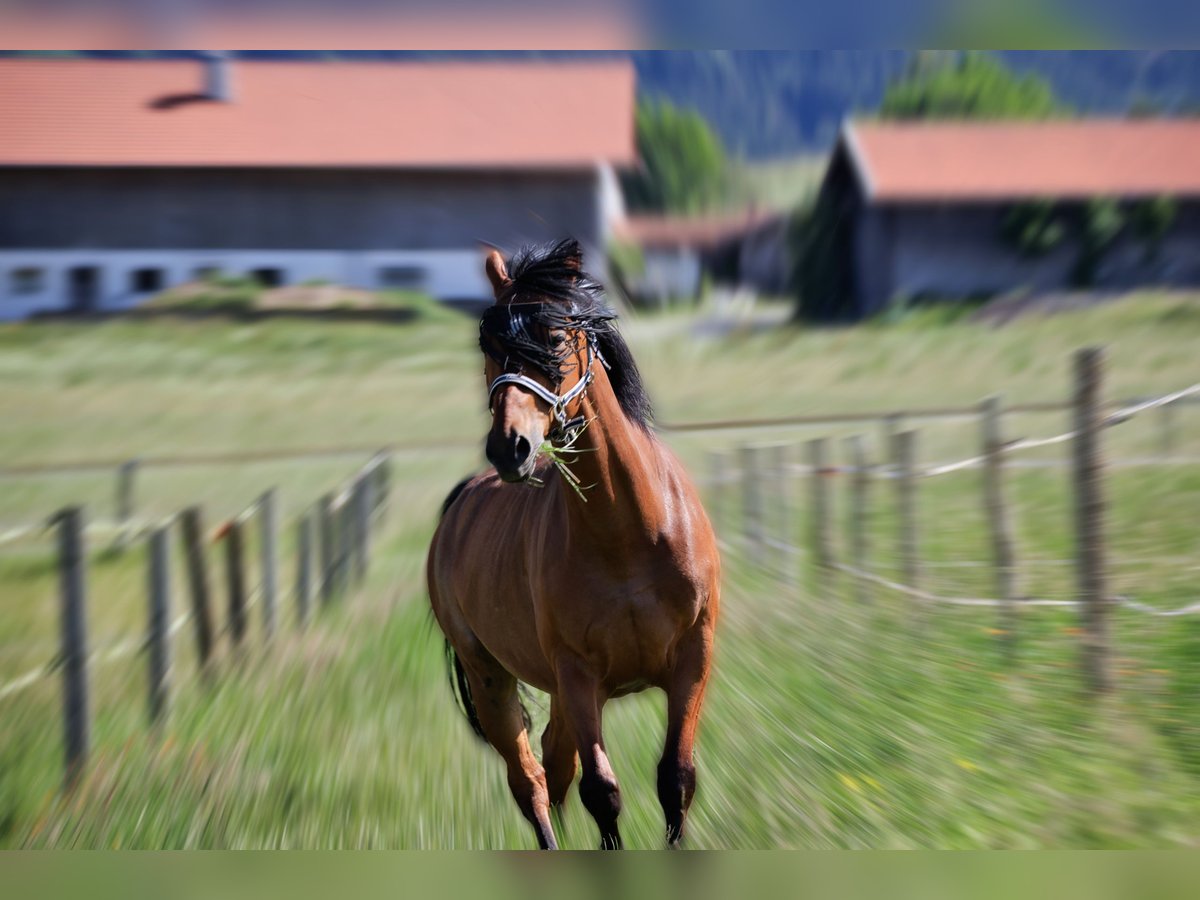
point(27, 280)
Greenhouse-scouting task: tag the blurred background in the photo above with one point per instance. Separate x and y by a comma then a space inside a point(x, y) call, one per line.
point(238, 316)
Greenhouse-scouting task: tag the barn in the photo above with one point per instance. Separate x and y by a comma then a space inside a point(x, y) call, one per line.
point(949, 210)
point(120, 178)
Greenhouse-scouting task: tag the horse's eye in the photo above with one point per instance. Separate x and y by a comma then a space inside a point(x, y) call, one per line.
point(558, 339)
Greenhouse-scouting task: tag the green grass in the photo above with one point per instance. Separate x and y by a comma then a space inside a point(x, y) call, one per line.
point(828, 723)
point(779, 184)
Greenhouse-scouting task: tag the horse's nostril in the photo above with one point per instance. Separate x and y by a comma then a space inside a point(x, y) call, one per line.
point(521, 448)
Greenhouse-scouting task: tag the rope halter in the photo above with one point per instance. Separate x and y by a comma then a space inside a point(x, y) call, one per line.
point(563, 427)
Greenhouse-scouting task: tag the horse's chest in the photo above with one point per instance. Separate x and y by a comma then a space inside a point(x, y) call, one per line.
point(650, 579)
point(628, 618)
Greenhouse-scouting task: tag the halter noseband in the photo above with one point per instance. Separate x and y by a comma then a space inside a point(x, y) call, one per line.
point(563, 427)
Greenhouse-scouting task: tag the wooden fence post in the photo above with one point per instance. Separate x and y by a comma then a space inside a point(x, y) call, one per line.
point(361, 513)
point(999, 524)
point(328, 554)
point(893, 424)
point(781, 488)
point(269, 531)
point(752, 523)
point(304, 568)
point(1089, 519)
point(860, 482)
point(72, 561)
point(819, 511)
point(385, 481)
point(236, 575)
point(126, 476)
point(193, 547)
point(1167, 414)
point(158, 639)
point(904, 461)
point(346, 527)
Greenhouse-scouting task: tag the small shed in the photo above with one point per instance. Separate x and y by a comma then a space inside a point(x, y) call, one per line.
point(746, 248)
point(947, 210)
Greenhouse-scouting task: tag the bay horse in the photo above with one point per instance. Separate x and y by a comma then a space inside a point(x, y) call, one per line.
point(582, 563)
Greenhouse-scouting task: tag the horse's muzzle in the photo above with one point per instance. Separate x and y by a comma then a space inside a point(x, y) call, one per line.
point(512, 454)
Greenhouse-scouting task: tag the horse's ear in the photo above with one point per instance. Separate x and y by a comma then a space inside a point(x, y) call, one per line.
point(497, 272)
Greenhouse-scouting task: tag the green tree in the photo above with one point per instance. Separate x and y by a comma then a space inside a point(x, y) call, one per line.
point(972, 85)
point(682, 162)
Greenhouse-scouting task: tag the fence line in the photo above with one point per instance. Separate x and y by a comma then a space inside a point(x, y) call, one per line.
point(295, 454)
point(1093, 600)
point(885, 472)
point(930, 597)
point(1188, 610)
point(18, 533)
point(1121, 415)
point(892, 418)
point(286, 454)
point(362, 501)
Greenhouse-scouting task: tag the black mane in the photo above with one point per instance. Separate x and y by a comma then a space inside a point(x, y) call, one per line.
point(547, 291)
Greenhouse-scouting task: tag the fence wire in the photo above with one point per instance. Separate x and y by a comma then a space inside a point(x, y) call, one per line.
point(132, 646)
point(727, 477)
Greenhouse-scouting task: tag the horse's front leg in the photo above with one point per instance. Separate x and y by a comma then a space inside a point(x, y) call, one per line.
point(685, 695)
point(583, 698)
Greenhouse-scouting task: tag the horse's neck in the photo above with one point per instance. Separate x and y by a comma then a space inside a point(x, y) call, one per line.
point(618, 470)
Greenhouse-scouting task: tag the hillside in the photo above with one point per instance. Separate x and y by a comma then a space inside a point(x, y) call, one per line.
point(773, 103)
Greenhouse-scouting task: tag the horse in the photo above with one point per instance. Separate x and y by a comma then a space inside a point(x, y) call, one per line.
point(581, 562)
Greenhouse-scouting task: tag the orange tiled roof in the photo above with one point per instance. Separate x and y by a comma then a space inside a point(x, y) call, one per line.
point(946, 161)
point(510, 114)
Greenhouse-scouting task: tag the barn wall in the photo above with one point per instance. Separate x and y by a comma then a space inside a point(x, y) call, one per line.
point(873, 243)
point(347, 226)
point(291, 209)
point(957, 251)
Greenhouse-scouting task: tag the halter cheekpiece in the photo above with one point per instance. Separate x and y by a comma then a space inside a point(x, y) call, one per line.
point(563, 428)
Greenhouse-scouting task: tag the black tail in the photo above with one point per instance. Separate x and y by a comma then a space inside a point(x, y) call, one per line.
point(461, 688)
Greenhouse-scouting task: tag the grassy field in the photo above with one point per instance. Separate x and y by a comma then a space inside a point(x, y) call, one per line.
point(828, 724)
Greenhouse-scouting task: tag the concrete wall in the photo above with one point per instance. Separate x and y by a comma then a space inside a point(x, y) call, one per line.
point(446, 274)
point(342, 225)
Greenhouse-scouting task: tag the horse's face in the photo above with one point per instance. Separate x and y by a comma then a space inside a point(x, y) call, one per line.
point(522, 417)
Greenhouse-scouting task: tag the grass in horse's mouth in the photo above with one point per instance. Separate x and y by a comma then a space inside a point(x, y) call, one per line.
point(562, 457)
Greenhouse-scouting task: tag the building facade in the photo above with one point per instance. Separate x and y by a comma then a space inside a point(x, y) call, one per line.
point(252, 177)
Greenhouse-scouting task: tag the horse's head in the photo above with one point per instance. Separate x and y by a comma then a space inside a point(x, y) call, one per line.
point(539, 345)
